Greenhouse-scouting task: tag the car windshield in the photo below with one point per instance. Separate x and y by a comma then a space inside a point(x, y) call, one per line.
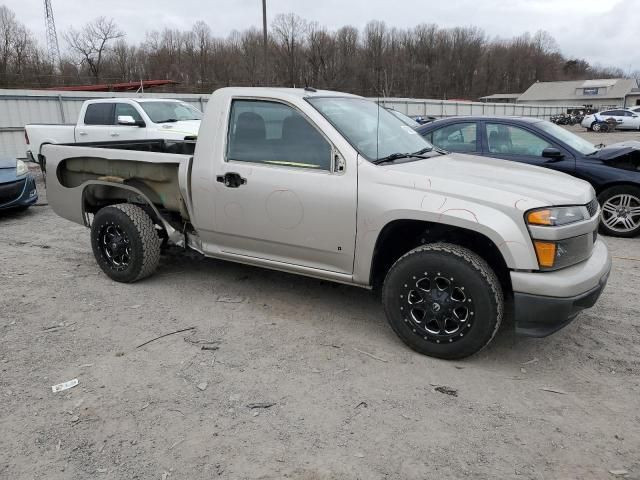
point(369, 128)
point(161, 112)
point(571, 139)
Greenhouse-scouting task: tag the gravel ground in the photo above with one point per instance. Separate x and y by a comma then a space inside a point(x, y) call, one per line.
point(348, 399)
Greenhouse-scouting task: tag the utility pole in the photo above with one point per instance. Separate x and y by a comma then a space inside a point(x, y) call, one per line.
point(265, 41)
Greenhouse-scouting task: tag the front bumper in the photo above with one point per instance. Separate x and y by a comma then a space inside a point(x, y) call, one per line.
point(19, 193)
point(544, 302)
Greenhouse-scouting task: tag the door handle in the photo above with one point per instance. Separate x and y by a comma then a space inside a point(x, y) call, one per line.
point(115, 134)
point(82, 133)
point(231, 180)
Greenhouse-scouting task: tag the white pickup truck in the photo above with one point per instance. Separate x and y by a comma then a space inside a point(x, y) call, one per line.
point(119, 119)
point(333, 186)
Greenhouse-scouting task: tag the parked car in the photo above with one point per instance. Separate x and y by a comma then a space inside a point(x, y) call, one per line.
point(624, 118)
point(318, 183)
point(613, 171)
point(119, 119)
point(17, 186)
point(635, 109)
point(407, 120)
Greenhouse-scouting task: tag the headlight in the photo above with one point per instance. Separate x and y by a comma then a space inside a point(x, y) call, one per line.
point(21, 168)
point(557, 216)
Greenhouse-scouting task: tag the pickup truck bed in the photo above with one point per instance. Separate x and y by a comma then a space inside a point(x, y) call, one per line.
point(150, 167)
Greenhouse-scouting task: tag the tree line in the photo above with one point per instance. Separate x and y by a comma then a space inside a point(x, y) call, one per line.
point(425, 61)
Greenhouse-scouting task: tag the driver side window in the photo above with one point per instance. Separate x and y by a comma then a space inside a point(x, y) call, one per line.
point(509, 140)
point(277, 134)
point(459, 137)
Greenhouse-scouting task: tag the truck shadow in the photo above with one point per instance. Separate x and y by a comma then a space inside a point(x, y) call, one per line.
point(348, 311)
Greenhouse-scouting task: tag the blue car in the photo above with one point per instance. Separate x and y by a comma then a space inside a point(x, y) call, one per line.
point(612, 170)
point(17, 185)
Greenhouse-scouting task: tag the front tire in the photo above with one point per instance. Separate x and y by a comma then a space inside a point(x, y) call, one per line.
point(443, 300)
point(125, 242)
point(620, 211)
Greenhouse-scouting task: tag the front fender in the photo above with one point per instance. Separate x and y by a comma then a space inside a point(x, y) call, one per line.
point(503, 225)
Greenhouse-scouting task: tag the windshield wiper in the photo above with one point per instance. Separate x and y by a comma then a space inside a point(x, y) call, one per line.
point(398, 156)
point(168, 120)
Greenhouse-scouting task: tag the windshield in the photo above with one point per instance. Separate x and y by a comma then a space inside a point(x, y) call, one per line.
point(571, 139)
point(370, 129)
point(161, 112)
point(404, 118)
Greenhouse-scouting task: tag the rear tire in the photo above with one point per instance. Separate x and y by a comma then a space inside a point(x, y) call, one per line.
point(125, 242)
point(620, 211)
point(443, 300)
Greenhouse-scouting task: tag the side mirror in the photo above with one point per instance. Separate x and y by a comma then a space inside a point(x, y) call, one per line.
point(129, 120)
point(552, 153)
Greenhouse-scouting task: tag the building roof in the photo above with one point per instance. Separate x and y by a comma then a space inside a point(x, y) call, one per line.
point(614, 88)
point(497, 96)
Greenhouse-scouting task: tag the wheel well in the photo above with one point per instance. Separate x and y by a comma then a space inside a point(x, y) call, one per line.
point(602, 188)
point(98, 196)
point(400, 236)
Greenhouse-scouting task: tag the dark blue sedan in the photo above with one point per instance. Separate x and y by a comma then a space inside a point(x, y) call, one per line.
point(17, 186)
point(614, 170)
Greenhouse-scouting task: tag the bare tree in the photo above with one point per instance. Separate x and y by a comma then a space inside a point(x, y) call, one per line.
point(90, 44)
point(252, 53)
point(425, 61)
point(289, 30)
point(8, 30)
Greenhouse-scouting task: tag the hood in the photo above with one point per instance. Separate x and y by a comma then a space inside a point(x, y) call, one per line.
point(8, 163)
point(618, 150)
point(495, 181)
point(181, 129)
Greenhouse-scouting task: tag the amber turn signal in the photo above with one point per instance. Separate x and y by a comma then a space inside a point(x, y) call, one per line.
point(546, 252)
point(540, 217)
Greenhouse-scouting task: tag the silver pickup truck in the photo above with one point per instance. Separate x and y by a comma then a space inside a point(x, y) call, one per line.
point(332, 186)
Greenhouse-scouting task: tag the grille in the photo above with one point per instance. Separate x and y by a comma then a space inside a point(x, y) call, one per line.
point(11, 191)
point(592, 207)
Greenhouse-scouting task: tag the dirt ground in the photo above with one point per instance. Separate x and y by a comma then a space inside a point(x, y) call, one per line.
point(348, 399)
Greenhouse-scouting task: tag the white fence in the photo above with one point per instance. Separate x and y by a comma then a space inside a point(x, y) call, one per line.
point(451, 108)
point(20, 107)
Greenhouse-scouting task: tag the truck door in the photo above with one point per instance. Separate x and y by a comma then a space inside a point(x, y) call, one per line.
point(284, 193)
point(97, 122)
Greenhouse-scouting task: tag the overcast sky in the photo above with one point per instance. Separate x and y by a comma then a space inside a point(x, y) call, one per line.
point(601, 31)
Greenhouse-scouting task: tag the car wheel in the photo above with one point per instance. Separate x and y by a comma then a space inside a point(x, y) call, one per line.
point(443, 300)
point(596, 127)
point(620, 211)
point(125, 242)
